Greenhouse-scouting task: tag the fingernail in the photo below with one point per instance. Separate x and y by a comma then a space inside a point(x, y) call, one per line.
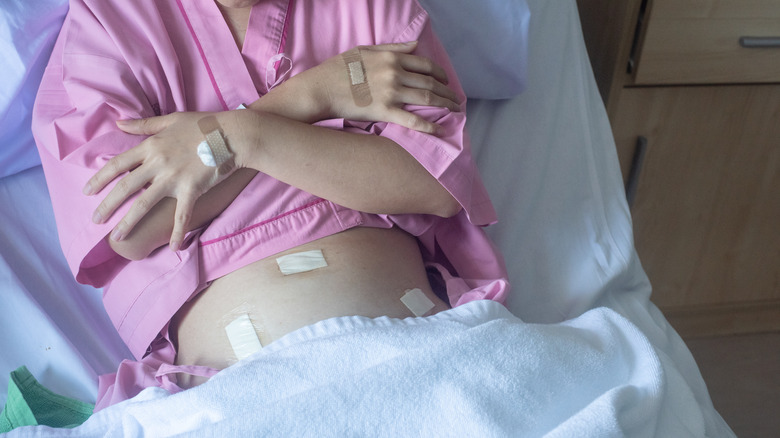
point(410, 43)
point(117, 235)
point(87, 190)
point(123, 122)
point(97, 217)
point(175, 246)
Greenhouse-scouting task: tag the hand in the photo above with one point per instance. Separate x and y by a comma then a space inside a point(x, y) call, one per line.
point(395, 78)
point(166, 164)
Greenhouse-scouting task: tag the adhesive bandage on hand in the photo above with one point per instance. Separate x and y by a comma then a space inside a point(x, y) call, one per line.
point(213, 151)
point(361, 92)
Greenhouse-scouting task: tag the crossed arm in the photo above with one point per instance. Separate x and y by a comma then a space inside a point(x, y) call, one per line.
point(363, 172)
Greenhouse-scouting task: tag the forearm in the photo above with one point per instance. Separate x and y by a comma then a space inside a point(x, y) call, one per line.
point(299, 98)
point(363, 172)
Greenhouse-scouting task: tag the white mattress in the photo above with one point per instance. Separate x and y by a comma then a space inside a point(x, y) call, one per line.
point(547, 157)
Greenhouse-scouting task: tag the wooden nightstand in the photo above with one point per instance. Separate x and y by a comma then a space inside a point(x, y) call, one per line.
point(707, 206)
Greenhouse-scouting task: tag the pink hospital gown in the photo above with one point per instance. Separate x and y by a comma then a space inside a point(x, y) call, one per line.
point(133, 59)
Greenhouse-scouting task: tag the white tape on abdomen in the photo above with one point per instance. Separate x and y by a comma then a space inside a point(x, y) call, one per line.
point(416, 301)
point(301, 262)
point(243, 337)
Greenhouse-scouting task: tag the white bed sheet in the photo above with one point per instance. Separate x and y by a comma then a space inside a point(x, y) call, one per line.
point(50, 323)
point(548, 160)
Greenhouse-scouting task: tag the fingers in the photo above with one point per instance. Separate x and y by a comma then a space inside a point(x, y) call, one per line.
point(181, 220)
point(412, 121)
point(407, 47)
point(419, 64)
point(413, 63)
point(430, 81)
point(116, 166)
point(147, 126)
point(424, 90)
point(413, 96)
point(125, 188)
point(142, 205)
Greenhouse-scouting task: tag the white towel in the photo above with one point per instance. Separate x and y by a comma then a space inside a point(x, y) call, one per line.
point(472, 371)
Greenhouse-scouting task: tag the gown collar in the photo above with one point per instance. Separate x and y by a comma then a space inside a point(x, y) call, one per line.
point(241, 76)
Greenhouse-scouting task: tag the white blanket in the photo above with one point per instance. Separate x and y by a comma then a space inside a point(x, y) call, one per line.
point(472, 371)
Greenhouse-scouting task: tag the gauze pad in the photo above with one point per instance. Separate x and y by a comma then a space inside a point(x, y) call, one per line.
point(242, 336)
point(361, 92)
point(205, 154)
point(416, 301)
point(301, 262)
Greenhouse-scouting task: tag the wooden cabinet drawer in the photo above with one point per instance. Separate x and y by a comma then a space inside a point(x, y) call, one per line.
point(698, 42)
point(707, 209)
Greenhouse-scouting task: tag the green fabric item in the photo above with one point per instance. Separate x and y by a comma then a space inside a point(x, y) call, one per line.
point(30, 404)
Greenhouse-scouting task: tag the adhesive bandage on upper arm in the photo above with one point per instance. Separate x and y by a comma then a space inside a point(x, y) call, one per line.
point(361, 92)
point(243, 337)
point(301, 262)
point(416, 301)
point(213, 151)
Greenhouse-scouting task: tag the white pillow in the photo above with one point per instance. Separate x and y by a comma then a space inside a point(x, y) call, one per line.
point(28, 30)
point(487, 41)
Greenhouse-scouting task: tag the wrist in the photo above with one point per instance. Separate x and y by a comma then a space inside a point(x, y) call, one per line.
point(300, 98)
point(241, 129)
point(317, 99)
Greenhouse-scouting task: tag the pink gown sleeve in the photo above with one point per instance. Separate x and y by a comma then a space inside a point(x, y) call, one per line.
point(458, 248)
point(86, 87)
point(447, 157)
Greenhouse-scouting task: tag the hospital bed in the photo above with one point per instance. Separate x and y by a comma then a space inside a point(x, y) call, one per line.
point(548, 159)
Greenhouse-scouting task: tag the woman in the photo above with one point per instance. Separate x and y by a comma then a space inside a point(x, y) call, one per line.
point(391, 205)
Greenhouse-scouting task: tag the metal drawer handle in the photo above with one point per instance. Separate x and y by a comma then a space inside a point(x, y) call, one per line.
point(636, 168)
point(759, 42)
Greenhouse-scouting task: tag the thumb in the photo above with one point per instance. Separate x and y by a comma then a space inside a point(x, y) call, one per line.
point(147, 126)
point(407, 47)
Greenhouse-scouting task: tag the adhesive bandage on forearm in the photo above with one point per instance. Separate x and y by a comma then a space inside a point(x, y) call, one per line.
point(416, 301)
point(361, 92)
point(301, 262)
point(213, 151)
point(243, 337)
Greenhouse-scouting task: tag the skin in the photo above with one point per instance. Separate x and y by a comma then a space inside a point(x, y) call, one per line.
point(236, 13)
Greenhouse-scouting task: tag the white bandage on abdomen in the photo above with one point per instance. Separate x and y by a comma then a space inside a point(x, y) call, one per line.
point(243, 337)
point(301, 262)
point(416, 301)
